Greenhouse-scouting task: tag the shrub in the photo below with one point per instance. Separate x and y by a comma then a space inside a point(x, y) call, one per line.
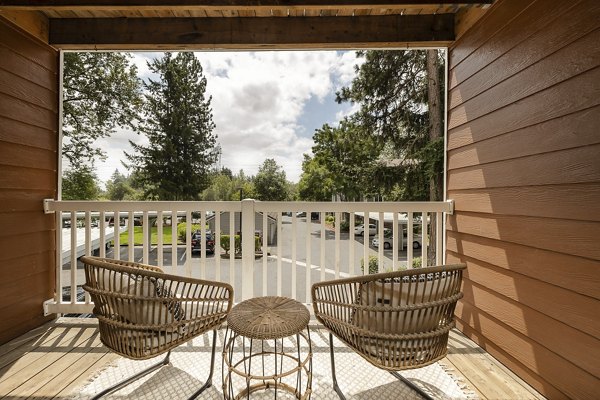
point(330, 219)
point(373, 267)
point(181, 231)
point(344, 226)
point(416, 263)
point(225, 243)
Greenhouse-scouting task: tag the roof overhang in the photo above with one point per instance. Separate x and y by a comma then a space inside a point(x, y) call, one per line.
point(244, 24)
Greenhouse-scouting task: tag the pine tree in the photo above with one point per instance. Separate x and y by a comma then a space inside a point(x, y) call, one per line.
point(179, 126)
point(400, 96)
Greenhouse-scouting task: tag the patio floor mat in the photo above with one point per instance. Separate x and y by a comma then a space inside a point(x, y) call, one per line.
point(190, 365)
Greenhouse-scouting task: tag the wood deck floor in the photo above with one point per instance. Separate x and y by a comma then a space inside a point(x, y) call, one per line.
point(53, 361)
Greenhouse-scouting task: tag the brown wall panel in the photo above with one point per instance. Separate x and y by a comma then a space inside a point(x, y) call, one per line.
point(583, 55)
point(579, 165)
point(577, 201)
point(578, 384)
point(23, 67)
point(18, 155)
point(28, 174)
point(25, 222)
point(569, 131)
point(573, 345)
point(574, 309)
point(579, 238)
point(18, 132)
point(563, 270)
point(15, 86)
point(524, 171)
point(543, 43)
point(565, 98)
point(550, 391)
point(20, 200)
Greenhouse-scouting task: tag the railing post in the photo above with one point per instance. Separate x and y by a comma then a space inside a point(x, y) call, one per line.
point(247, 230)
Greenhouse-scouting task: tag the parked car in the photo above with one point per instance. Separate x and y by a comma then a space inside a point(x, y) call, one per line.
point(314, 216)
point(388, 241)
point(360, 230)
point(197, 243)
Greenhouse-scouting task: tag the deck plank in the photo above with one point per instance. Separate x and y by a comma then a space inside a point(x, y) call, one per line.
point(58, 358)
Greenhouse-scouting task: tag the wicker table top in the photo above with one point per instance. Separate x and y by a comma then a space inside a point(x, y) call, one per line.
point(268, 317)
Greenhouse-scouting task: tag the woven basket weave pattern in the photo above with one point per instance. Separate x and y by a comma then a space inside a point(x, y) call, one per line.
point(143, 312)
point(398, 320)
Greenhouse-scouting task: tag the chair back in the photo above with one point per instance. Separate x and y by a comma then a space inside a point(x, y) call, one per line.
point(395, 320)
point(143, 312)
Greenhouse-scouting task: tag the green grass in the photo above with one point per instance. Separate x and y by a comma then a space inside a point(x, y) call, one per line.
point(138, 235)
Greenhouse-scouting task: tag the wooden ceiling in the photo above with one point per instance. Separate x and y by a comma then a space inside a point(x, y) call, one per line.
point(244, 24)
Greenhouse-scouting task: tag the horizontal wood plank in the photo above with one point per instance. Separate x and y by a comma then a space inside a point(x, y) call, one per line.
point(23, 245)
point(221, 4)
point(569, 379)
point(562, 99)
point(23, 200)
point(579, 165)
point(574, 23)
point(573, 309)
point(537, 16)
point(26, 266)
point(570, 131)
point(489, 25)
point(15, 86)
point(577, 58)
point(532, 377)
point(19, 110)
point(216, 32)
point(578, 274)
point(27, 178)
point(28, 135)
point(26, 222)
point(30, 48)
point(577, 202)
point(578, 238)
point(579, 348)
point(18, 155)
point(23, 67)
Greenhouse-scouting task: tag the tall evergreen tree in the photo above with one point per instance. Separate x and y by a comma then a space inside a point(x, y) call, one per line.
point(400, 96)
point(179, 126)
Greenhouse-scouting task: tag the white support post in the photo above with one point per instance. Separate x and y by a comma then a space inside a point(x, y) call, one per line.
point(247, 231)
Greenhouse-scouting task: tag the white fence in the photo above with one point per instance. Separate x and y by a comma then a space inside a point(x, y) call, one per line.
point(302, 242)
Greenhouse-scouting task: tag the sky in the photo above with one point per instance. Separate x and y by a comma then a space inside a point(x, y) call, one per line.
point(265, 105)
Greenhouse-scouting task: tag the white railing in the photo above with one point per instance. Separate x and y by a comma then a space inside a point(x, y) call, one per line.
point(297, 249)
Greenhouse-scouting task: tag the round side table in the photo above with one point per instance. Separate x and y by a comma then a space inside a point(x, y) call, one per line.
point(263, 348)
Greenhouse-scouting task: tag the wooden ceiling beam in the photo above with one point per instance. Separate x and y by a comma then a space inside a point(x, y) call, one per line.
point(244, 33)
point(116, 5)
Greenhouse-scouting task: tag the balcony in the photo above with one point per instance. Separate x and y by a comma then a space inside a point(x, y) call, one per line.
point(58, 359)
point(298, 244)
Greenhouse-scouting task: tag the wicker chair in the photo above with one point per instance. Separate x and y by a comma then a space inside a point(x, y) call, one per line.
point(143, 312)
point(396, 321)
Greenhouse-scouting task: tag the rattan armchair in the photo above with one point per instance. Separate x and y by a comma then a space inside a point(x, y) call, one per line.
point(143, 312)
point(398, 320)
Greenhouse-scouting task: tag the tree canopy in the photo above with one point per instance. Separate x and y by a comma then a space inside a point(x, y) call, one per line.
point(399, 96)
point(100, 91)
point(178, 124)
point(270, 183)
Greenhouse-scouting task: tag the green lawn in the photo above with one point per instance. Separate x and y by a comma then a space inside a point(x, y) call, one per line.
point(138, 235)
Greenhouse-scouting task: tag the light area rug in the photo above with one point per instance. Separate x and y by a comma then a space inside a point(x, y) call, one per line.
point(190, 364)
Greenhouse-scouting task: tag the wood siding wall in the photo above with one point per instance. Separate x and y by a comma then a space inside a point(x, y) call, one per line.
point(28, 174)
point(524, 171)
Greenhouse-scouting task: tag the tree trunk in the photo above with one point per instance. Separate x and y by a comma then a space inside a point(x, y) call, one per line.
point(435, 105)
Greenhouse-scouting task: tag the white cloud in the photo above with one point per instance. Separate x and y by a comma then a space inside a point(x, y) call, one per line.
point(257, 100)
